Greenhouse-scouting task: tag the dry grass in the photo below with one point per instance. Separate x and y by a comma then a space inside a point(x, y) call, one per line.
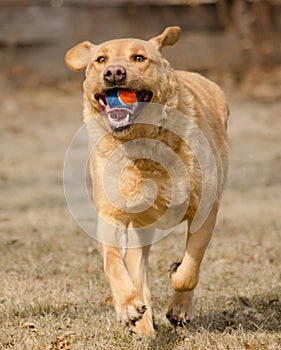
point(53, 294)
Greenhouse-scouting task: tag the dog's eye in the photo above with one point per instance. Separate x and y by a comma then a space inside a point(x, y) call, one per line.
point(101, 59)
point(138, 58)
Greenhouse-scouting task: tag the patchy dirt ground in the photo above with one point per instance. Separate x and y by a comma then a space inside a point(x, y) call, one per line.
point(53, 294)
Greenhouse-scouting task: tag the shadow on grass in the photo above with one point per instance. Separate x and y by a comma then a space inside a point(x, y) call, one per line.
point(261, 313)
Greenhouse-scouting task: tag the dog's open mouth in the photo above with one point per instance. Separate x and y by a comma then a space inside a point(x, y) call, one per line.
point(122, 106)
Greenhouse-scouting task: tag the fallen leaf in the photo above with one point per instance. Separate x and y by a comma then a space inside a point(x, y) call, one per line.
point(29, 325)
point(244, 300)
point(247, 346)
point(62, 343)
point(107, 300)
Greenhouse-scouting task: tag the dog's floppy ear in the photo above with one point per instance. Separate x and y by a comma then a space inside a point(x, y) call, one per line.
point(79, 56)
point(169, 37)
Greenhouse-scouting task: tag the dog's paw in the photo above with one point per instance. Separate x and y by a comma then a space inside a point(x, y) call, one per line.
point(180, 308)
point(176, 318)
point(130, 312)
point(145, 326)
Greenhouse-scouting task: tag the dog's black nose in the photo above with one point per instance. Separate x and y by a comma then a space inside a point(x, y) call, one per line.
point(114, 74)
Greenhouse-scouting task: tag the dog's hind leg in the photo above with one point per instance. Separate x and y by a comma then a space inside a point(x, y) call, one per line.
point(184, 276)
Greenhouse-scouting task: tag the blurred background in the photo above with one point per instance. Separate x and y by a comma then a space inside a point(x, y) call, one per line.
point(52, 286)
point(220, 35)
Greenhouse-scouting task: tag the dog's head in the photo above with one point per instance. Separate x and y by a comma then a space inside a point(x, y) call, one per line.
point(123, 75)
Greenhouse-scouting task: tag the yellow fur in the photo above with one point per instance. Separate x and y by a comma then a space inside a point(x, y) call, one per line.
point(203, 103)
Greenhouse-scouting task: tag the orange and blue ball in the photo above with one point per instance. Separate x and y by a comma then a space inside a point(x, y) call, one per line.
point(120, 98)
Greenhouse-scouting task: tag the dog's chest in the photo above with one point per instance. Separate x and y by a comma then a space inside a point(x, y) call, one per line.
point(145, 180)
point(142, 177)
point(150, 174)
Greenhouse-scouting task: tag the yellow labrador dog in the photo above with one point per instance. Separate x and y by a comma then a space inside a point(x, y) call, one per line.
point(169, 128)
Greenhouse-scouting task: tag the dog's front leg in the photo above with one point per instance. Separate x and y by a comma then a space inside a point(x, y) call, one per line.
point(137, 260)
point(127, 300)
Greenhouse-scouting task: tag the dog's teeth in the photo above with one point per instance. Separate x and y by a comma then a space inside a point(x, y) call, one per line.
point(127, 117)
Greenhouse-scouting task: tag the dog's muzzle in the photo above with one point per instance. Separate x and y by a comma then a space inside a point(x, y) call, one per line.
point(122, 106)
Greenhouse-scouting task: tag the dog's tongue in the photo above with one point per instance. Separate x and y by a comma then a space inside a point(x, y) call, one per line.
point(121, 98)
point(119, 114)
